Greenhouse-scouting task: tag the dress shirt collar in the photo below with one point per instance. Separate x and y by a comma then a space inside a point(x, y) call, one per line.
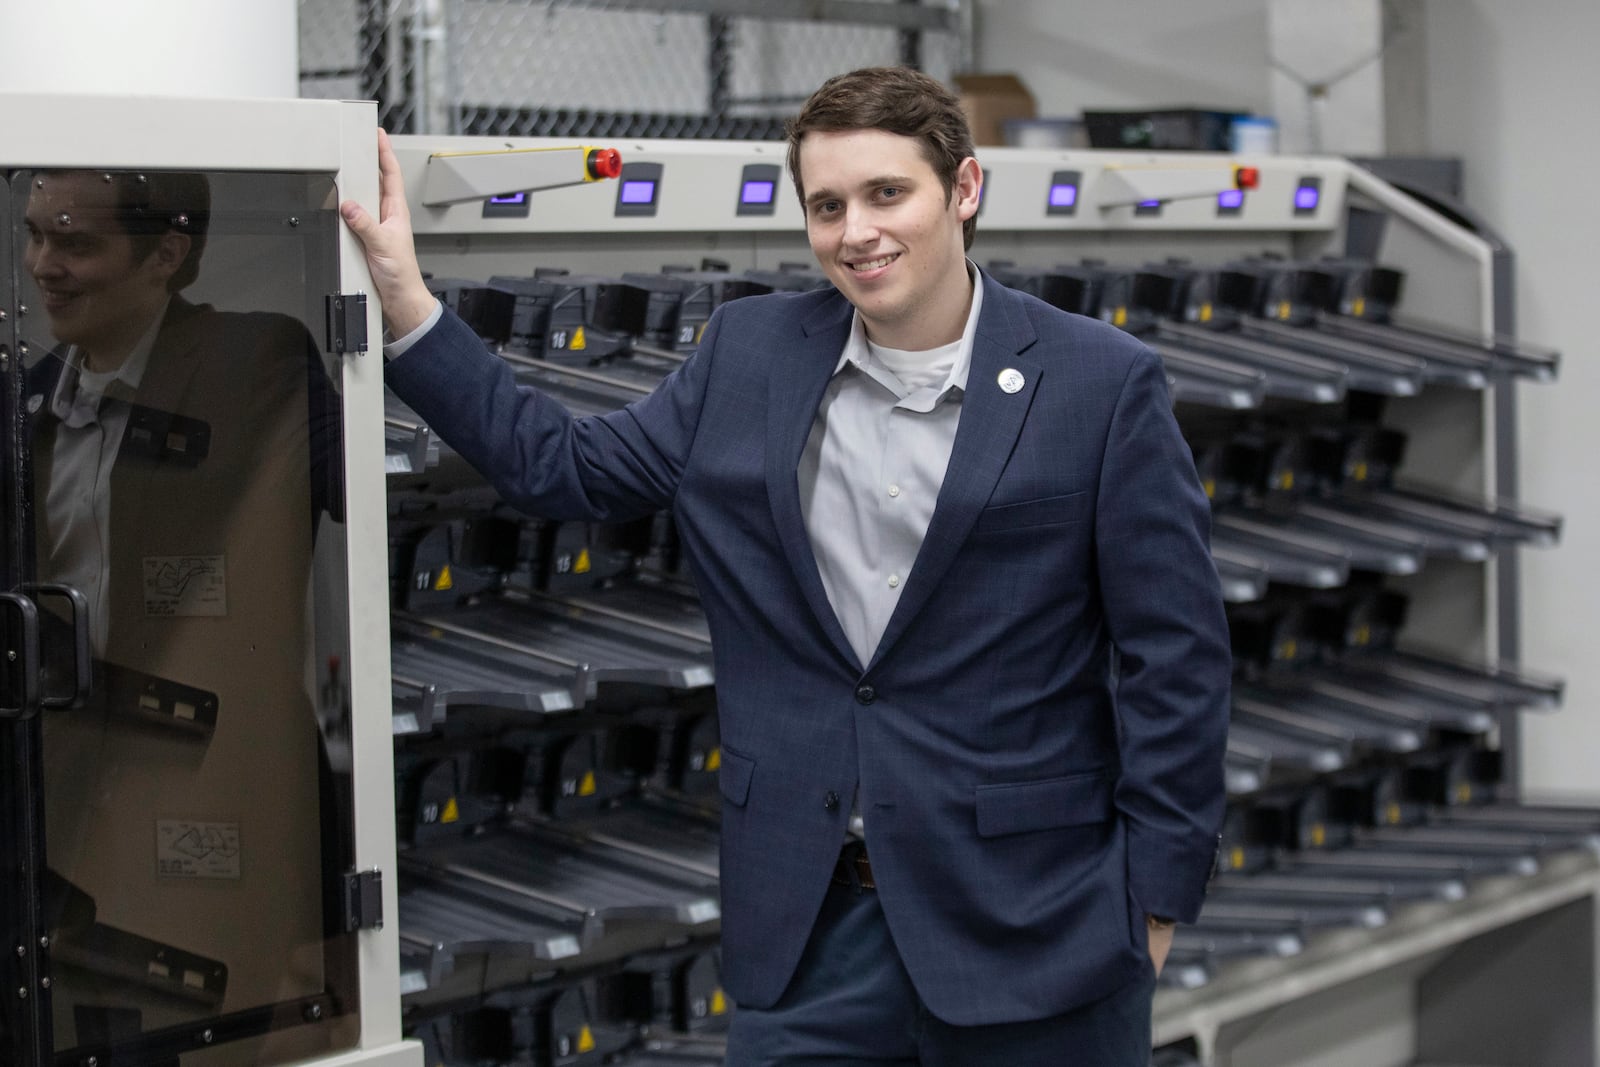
point(78, 392)
point(856, 353)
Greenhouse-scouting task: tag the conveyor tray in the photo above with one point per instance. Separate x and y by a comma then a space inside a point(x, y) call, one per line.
point(1467, 839)
point(444, 919)
point(563, 636)
point(1518, 816)
point(1350, 368)
point(1323, 723)
point(1274, 887)
point(1334, 688)
point(659, 829)
point(1334, 515)
point(1186, 969)
point(1231, 944)
point(667, 606)
point(1379, 863)
point(1288, 564)
point(1320, 543)
point(435, 668)
point(1196, 378)
point(1295, 917)
point(1438, 344)
point(1382, 725)
point(1245, 767)
point(1287, 375)
point(1373, 368)
point(599, 886)
point(1497, 686)
point(1289, 752)
point(1498, 523)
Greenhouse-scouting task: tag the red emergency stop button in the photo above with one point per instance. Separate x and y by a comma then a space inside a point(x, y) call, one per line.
point(604, 163)
point(1246, 177)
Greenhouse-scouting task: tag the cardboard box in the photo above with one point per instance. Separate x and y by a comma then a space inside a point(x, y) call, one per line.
point(991, 99)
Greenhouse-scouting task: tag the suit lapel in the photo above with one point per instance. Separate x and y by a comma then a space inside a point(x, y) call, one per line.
point(798, 381)
point(991, 419)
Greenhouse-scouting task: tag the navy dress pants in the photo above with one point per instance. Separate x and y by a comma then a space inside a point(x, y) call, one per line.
point(851, 1003)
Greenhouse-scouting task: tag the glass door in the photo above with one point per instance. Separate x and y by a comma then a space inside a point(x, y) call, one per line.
point(175, 520)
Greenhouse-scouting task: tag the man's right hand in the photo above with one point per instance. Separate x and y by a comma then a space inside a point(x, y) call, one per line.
point(390, 247)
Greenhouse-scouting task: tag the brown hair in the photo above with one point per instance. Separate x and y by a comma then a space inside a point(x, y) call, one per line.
point(897, 100)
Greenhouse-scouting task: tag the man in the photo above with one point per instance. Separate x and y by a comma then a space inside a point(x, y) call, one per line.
point(952, 551)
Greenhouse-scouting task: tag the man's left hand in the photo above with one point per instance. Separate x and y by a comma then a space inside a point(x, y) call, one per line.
point(1160, 937)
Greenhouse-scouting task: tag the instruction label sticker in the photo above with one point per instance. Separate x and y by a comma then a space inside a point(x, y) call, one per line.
point(189, 849)
point(185, 585)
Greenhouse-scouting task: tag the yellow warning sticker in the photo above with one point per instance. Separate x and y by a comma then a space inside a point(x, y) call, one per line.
point(1119, 317)
point(1319, 835)
point(443, 581)
point(714, 760)
point(719, 1003)
point(584, 564)
point(1236, 859)
point(1464, 793)
point(1359, 472)
point(1358, 306)
point(585, 1040)
point(701, 332)
point(587, 787)
point(579, 342)
point(1284, 309)
point(452, 811)
point(1391, 815)
point(1211, 488)
point(1205, 312)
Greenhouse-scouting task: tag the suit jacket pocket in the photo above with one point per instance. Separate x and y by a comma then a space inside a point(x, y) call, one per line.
point(1045, 511)
point(733, 778)
point(1047, 804)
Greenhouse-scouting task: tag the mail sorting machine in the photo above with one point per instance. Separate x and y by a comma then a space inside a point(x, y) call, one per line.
point(555, 731)
point(196, 816)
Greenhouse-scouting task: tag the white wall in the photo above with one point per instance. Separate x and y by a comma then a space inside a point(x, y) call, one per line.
point(213, 48)
point(1514, 90)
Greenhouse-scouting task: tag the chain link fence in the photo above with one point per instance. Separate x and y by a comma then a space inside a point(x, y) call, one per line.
point(611, 68)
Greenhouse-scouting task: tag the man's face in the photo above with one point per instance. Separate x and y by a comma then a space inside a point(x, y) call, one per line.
point(886, 235)
point(97, 292)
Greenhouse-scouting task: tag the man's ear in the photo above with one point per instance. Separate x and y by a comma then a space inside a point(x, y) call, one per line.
point(169, 254)
point(969, 188)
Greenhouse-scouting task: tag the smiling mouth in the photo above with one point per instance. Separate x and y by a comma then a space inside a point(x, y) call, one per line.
point(873, 264)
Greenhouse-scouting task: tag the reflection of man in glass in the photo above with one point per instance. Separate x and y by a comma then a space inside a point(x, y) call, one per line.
point(173, 448)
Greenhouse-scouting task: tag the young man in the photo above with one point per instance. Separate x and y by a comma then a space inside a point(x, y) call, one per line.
point(953, 554)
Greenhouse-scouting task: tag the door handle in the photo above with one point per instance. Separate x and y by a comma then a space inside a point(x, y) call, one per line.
point(21, 657)
point(82, 664)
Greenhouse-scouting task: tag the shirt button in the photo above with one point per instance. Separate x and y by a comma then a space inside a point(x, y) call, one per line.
point(894, 490)
point(894, 581)
point(866, 694)
point(831, 801)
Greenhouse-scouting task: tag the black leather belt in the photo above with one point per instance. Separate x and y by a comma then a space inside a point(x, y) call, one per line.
point(852, 869)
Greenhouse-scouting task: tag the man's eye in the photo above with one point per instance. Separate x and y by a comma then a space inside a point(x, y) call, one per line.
point(889, 192)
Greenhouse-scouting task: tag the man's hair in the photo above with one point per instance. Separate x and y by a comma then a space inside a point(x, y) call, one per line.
point(896, 100)
point(150, 204)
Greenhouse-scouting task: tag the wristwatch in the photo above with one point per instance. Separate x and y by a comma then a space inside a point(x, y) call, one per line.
point(1160, 922)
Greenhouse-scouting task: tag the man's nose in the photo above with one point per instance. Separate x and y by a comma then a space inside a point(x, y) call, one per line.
point(859, 226)
point(41, 260)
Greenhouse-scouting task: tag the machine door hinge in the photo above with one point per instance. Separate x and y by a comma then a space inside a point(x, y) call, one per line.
point(347, 323)
point(363, 900)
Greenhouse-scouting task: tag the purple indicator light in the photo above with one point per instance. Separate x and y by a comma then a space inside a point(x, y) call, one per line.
point(1231, 199)
point(1063, 195)
point(1306, 197)
point(1149, 203)
point(510, 198)
point(638, 192)
point(756, 193)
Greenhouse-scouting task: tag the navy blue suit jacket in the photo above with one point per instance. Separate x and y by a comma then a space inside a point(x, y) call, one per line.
point(1038, 739)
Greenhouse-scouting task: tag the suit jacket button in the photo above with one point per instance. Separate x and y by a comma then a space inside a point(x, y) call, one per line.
point(866, 694)
point(831, 801)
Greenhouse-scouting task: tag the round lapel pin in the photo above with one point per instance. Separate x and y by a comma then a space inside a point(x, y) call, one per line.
point(1011, 380)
